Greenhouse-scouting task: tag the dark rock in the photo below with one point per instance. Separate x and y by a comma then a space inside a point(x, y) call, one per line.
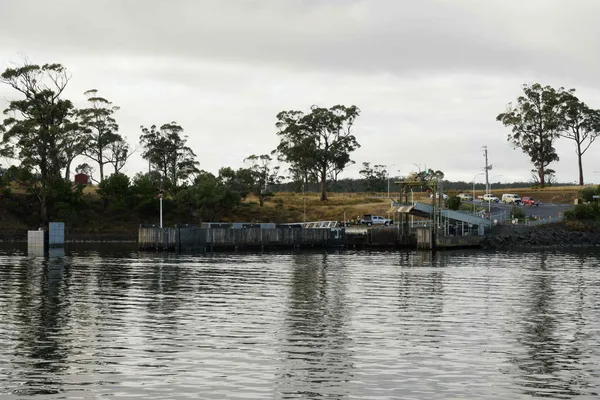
point(549, 235)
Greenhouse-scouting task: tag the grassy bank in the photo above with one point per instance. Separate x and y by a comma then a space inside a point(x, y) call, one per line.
point(93, 217)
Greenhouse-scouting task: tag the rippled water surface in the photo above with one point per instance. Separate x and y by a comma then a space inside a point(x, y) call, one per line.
point(111, 323)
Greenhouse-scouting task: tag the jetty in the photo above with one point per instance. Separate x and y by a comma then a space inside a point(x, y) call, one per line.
point(417, 225)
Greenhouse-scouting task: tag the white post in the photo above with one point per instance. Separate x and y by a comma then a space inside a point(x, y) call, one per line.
point(161, 219)
point(388, 185)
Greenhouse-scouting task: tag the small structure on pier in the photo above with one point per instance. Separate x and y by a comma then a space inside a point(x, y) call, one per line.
point(41, 241)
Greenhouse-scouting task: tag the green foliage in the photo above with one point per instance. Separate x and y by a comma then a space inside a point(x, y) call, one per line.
point(588, 193)
point(454, 203)
point(518, 212)
point(579, 123)
point(469, 207)
point(145, 188)
point(240, 181)
point(40, 129)
point(209, 198)
point(318, 143)
point(115, 192)
point(67, 201)
point(535, 123)
point(375, 177)
point(260, 175)
point(584, 212)
point(165, 148)
point(101, 129)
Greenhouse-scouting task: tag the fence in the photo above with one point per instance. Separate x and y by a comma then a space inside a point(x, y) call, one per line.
point(194, 238)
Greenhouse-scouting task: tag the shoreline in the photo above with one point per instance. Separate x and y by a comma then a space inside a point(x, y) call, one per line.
point(503, 237)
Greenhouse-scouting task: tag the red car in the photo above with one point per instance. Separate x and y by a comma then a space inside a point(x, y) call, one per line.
point(529, 201)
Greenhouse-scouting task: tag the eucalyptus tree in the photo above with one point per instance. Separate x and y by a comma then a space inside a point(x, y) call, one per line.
point(39, 125)
point(166, 149)
point(535, 122)
point(318, 142)
point(579, 123)
point(101, 125)
point(263, 174)
point(374, 176)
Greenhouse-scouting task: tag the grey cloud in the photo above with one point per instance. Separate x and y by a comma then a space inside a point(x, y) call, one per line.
point(369, 36)
point(430, 76)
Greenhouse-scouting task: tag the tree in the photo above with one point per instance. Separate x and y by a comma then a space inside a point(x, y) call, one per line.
point(38, 127)
point(578, 123)
point(165, 148)
point(84, 168)
point(208, 198)
point(454, 203)
point(319, 142)
point(240, 181)
point(114, 191)
point(374, 177)
point(119, 154)
point(76, 142)
point(263, 174)
point(102, 128)
point(535, 122)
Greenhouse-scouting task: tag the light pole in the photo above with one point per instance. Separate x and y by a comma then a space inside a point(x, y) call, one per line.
point(160, 201)
point(475, 177)
point(387, 167)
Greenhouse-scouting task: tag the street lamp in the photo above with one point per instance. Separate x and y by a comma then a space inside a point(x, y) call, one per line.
point(387, 167)
point(475, 177)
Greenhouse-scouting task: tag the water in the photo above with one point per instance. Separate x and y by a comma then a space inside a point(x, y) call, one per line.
point(110, 323)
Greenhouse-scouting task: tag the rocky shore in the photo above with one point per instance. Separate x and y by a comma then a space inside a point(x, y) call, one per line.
point(548, 235)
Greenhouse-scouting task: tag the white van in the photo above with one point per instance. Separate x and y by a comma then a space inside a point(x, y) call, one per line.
point(511, 198)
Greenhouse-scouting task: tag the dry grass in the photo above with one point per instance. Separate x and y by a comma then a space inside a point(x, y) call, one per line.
point(290, 207)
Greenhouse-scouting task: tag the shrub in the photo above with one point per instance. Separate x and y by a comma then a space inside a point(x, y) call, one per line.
point(518, 213)
point(583, 212)
point(588, 193)
point(454, 203)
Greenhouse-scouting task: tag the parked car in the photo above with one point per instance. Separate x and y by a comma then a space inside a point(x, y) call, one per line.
point(511, 198)
point(376, 220)
point(490, 197)
point(530, 201)
point(465, 197)
point(444, 196)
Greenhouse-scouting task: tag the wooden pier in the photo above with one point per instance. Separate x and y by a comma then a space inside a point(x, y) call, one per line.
point(208, 239)
point(202, 239)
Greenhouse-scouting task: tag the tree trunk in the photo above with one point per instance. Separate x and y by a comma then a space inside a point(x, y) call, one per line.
point(44, 209)
point(68, 170)
point(261, 200)
point(542, 177)
point(324, 185)
point(579, 156)
point(101, 170)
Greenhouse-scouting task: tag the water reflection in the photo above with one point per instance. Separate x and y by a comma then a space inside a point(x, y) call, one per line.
point(43, 312)
point(96, 323)
point(550, 335)
point(318, 359)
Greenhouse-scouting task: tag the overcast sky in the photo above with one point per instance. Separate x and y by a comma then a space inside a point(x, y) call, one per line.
point(430, 76)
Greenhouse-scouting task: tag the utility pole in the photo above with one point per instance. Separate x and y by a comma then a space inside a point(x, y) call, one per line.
point(487, 169)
